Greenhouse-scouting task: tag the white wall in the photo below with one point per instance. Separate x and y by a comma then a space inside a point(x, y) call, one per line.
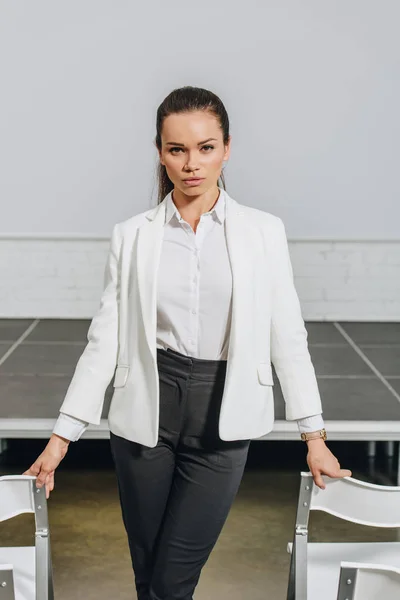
point(312, 91)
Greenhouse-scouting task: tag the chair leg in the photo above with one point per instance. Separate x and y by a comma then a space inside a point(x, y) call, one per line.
point(398, 463)
point(50, 573)
point(3, 445)
point(291, 582)
point(371, 449)
point(300, 560)
point(42, 567)
point(389, 448)
point(297, 582)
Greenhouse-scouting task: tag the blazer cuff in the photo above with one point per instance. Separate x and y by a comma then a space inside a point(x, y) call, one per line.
point(313, 423)
point(69, 427)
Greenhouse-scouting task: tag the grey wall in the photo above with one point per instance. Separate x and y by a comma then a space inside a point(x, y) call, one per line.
point(312, 89)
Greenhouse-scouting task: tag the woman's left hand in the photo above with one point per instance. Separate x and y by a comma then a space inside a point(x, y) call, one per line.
point(321, 461)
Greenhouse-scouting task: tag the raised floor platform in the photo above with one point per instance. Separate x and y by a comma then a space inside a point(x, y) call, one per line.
point(357, 366)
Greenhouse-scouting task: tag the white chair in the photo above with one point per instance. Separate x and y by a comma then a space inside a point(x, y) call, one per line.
point(359, 581)
point(27, 569)
point(315, 567)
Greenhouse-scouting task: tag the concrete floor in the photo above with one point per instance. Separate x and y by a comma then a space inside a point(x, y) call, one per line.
point(90, 551)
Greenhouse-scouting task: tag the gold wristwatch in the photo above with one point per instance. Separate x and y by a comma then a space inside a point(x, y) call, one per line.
point(314, 435)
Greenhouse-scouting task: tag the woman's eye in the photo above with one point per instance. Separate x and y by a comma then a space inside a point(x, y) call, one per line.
point(177, 148)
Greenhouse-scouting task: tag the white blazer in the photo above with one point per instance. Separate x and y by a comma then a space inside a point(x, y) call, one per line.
point(267, 325)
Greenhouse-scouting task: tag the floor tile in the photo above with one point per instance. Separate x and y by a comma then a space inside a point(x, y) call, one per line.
point(60, 330)
point(386, 360)
point(12, 329)
point(369, 333)
point(331, 360)
point(37, 396)
point(4, 346)
point(395, 383)
point(323, 333)
point(42, 358)
point(350, 399)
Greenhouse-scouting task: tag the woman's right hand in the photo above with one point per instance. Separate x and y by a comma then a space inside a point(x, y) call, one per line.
point(45, 465)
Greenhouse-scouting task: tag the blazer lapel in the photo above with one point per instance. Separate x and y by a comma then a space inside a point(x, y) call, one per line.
point(148, 251)
point(239, 239)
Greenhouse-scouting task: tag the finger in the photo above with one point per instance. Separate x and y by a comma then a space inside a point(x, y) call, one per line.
point(41, 478)
point(50, 481)
point(318, 480)
point(33, 470)
point(345, 473)
point(337, 473)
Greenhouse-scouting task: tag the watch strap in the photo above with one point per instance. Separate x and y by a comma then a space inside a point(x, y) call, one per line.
point(314, 435)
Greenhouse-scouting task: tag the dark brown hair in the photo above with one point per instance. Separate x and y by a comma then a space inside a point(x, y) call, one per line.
point(186, 99)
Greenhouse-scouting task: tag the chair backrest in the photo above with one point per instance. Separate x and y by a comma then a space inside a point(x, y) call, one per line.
point(16, 496)
point(346, 498)
point(361, 581)
point(19, 494)
point(7, 591)
point(353, 500)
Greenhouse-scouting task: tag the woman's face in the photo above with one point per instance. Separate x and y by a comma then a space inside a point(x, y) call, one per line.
point(192, 146)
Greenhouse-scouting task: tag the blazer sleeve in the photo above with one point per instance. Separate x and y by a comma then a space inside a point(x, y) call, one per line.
point(289, 348)
point(96, 366)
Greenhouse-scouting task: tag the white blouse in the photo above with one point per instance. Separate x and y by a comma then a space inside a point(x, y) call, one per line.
point(194, 297)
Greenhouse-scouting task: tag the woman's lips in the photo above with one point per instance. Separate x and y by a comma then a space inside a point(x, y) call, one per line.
point(196, 181)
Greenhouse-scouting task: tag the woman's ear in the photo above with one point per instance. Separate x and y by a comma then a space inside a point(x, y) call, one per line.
point(159, 151)
point(227, 149)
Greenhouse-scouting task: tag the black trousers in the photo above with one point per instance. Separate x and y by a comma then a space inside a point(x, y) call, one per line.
point(175, 498)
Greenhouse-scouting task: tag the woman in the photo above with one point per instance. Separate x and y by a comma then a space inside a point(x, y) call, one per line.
point(198, 299)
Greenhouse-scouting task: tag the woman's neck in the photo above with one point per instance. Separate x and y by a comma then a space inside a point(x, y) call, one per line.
point(192, 207)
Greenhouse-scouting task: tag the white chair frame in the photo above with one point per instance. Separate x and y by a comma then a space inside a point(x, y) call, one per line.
point(18, 495)
point(349, 499)
point(361, 581)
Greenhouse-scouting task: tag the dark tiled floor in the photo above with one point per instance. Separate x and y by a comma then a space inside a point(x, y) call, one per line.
point(338, 360)
point(38, 358)
point(373, 333)
point(395, 383)
point(42, 364)
point(324, 333)
point(385, 358)
point(357, 399)
point(12, 329)
point(56, 330)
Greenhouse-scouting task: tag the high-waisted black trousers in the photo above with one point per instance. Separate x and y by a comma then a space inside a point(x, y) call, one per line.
point(175, 498)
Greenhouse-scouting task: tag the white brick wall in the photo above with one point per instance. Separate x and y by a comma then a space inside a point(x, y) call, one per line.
point(51, 278)
point(63, 278)
point(347, 280)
